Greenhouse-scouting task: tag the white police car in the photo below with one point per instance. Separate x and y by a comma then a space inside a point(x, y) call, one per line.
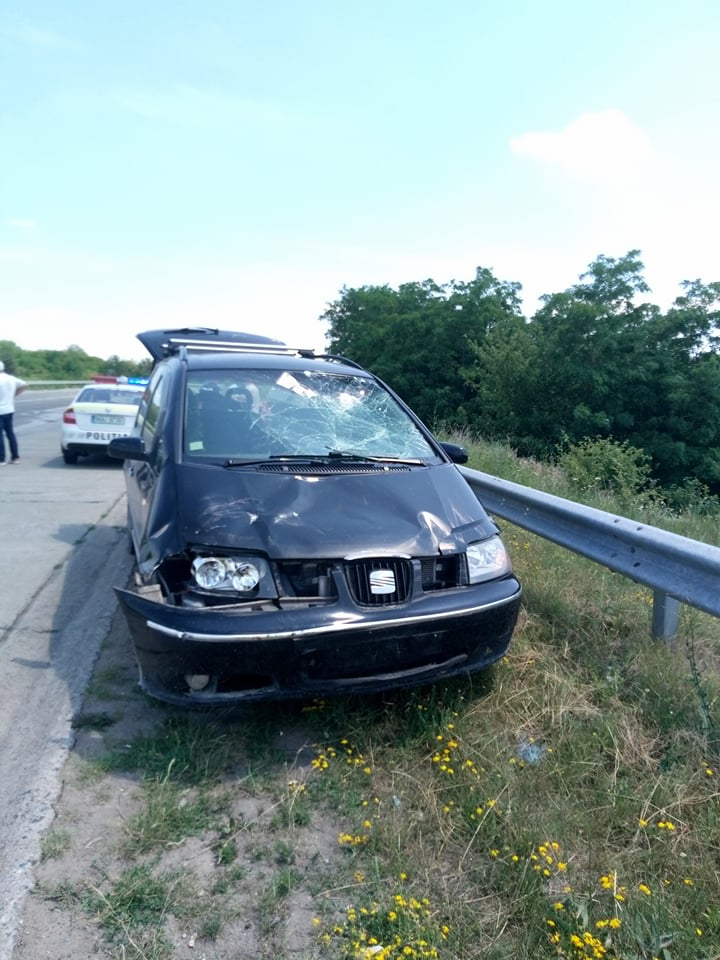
point(101, 411)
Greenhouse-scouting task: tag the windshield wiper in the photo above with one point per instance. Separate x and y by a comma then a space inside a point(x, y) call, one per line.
point(280, 458)
point(332, 456)
point(368, 458)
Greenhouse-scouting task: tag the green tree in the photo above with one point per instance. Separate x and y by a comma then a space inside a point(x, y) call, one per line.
point(598, 361)
point(9, 354)
point(593, 364)
point(70, 364)
point(682, 431)
point(124, 368)
point(422, 338)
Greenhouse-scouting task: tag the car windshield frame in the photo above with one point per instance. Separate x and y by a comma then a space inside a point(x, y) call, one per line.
point(256, 413)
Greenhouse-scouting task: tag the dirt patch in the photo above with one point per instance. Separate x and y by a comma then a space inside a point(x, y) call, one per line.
point(247, 885)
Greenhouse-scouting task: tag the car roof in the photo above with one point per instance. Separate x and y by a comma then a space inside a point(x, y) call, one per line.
point(104, 393)
point(203, 348)
point(115, 387)
point(161, 343)
point(269, 361)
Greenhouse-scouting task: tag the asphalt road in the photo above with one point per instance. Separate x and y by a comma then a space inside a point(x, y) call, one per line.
point(63, 547)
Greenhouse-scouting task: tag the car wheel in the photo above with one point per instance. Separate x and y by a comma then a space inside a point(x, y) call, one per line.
point(69, 457)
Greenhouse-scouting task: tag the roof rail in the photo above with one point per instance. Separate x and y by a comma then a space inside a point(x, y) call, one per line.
point(337, 358)
point(186, 340)
point(226, 346)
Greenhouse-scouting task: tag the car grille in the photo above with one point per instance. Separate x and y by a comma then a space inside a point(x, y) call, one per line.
point(375, 581)
point(379, 582)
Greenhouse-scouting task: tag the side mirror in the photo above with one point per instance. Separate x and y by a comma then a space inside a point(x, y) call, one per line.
point(127, 448)
point(456, 453)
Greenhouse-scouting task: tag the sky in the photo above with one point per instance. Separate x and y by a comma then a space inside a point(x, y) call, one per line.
point(237, 165)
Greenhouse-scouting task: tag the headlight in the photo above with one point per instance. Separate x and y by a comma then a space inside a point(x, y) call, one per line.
point(228, 573)
point(210, 572)
point(487, 560)
point(246, 576)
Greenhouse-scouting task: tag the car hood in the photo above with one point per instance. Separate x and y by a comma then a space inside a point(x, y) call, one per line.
point(419, 512)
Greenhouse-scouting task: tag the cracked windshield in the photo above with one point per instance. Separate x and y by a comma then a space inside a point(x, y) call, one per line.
point(251, 414)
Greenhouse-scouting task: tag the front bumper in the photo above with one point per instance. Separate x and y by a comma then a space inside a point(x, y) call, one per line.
point(260, 652)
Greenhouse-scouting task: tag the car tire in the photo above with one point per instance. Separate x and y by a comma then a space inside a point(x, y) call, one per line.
point(69, 458)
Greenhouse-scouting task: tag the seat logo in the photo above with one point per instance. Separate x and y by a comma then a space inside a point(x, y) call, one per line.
point(382, 581)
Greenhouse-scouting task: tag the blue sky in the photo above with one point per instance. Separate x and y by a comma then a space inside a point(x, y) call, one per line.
point(237, 164)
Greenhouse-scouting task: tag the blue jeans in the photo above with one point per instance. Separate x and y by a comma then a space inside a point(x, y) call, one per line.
point(6, 428)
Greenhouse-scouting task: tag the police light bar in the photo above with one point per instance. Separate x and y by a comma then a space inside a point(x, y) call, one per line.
point(131, 381)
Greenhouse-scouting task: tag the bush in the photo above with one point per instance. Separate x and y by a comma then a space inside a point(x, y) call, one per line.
point(692, 496)
point(606, 465)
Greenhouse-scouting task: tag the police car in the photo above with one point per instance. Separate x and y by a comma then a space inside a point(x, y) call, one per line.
point(101, 411)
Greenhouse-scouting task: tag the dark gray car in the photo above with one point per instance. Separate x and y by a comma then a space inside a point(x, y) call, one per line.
point(298, 531)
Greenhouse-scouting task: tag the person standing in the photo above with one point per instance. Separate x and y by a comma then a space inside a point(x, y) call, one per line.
point(10, 387)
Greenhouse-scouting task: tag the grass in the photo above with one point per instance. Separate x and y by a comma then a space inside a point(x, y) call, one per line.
point(133, 910)
point(54, 844)
point(565, 804)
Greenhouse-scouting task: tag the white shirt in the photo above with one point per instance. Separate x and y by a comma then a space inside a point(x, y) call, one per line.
point(9, 385)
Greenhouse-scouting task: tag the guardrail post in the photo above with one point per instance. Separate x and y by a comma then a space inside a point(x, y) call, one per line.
point(666, 616)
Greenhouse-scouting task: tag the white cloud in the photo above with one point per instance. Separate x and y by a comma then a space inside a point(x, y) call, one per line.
point(606, 145)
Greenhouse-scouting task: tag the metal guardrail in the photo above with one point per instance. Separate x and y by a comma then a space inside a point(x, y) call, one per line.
point(58, 383)
point(678, 569)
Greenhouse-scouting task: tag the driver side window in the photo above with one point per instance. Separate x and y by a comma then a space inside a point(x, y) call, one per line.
point(150, 410)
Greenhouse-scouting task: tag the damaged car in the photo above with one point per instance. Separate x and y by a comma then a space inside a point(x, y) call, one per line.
point(298, 531)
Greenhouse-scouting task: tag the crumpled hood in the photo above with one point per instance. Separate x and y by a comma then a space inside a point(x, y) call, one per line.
point(421, 512)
